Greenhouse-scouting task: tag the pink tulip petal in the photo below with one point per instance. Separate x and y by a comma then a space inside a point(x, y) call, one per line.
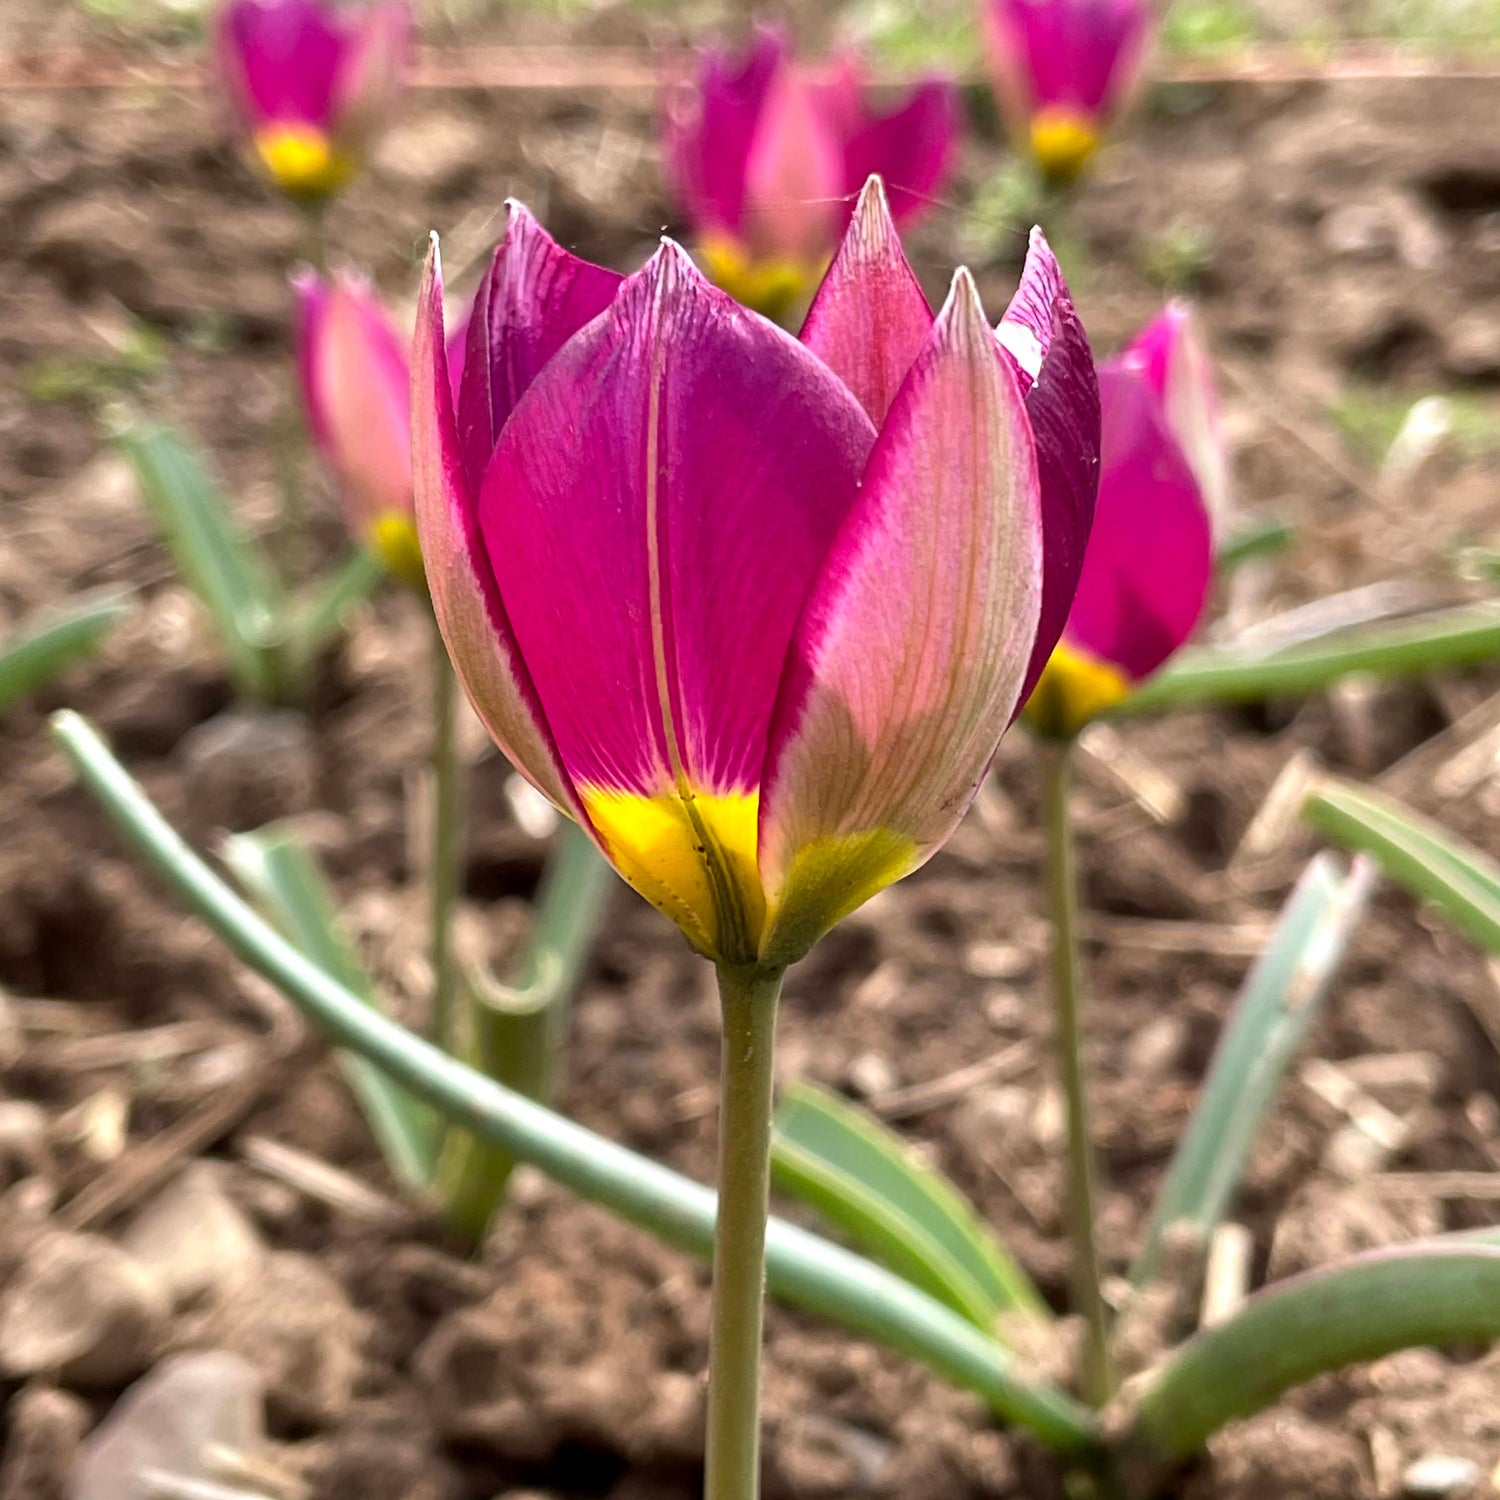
point(655, 512)
point(1149, 563)
point(909, 657)
point(535, 296)
point(377, 55)
point(709, 129)
point(794, 175)
point(912, 148)
point(281, 59)
point(1083, 55)
point(356, 388)
point(1171, 355)
point(869, 319)
point(1050, 351)
point(464, 595)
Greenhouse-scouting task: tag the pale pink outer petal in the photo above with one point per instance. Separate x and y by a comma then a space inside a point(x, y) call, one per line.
point(869, 319)
point(909, 658)
point(356, 387)
point(1172, 354)
point(1043, 336)
point(464, 597)
point(794, 175)
point(377, 59)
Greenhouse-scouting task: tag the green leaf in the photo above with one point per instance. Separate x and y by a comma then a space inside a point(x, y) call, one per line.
point(1263, 538)
point(286, 883)
point(1228, 674)
point(805, 1270)
point(230, 575)
point(51, 641)
point(866, 1180)
point(1361, 1309)
point(1280, 999)
point(1461, 881)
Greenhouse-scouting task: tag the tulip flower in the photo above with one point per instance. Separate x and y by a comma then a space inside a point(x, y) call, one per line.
point(766, 159)
point(356, 391)
point(1149, 561)
point(311, 81)
point(1062, 69)
point(760, 649)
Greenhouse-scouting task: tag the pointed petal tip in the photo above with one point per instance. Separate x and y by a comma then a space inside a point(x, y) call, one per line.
point(961, 321)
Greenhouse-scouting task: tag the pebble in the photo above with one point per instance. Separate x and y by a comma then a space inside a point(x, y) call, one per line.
point(244, 768)
point(172, 1422)
point(1437, 1476)
point(84, 1310)
point(45, 1428)
point(194, 1239)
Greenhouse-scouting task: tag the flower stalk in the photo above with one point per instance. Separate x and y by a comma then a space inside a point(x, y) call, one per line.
point(748, 998)
point(444, 876)
point(1067, 984)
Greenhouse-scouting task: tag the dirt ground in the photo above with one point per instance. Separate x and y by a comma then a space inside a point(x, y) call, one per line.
point(1338, 236)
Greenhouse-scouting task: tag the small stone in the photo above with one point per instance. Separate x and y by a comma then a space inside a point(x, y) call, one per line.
point(871, 1074)
point(172, 1423)
point(1440, 1477)
point(245, 768)
point(1153, 1051)
point(46, 1427)
point(194, 1239)
point(84, 1310)
point(999, 960)
point(296, 1326)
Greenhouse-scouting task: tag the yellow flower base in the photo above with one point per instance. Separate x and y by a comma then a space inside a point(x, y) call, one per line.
point(1074, 688)
point(302, 161)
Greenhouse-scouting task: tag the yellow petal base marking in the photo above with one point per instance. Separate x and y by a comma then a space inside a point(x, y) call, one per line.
point(393, 538)
point(1062, 141)
point(693, 856)
point(770, 287)
point(302, 160)
point(1074, 688)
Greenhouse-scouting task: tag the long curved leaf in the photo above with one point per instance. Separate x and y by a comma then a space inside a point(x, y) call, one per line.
point(53, 640)
point(865, 1180)
point(1360, 1310)
point(1461, 881)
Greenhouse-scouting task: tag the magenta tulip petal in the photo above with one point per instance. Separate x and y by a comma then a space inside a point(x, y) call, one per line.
point(794, 175)
point(357, 391)
point(710, 129)
point(535, 297)
point(869, 319)
point(1080, 54)
point(655, 512)
point(1050, 351)
point(282, 59)
point(464, 595)
point(912, 148)
point(1149, 563)
point(1172, 357)
point(909, 658)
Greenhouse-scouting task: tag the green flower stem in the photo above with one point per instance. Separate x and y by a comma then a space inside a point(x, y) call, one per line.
point(443, 877)
point(1062, 890)
point(748, 999)
point(801, 1268)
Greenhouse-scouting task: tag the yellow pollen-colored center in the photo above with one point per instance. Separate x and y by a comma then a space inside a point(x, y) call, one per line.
point(1062, 142)
point(302, 159)
point(771, 286)
point(393, 538)
point(1074, 688)
point(693, 856)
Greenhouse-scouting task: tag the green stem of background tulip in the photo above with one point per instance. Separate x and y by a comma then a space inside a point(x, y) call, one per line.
point(1062, 891)
point(748, 997)
point(447, 843)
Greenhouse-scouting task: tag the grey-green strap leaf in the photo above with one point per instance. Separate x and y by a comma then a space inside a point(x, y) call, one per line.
point(865, 1180)
point(1277, 1004)
point(53, 640)
point(1461, 881)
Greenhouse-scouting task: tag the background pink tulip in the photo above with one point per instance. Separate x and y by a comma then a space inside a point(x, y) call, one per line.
point(356, 391)
point(754, 611)
point(766, 158)
point(1149, 562)
point(1062, 70)
point(311, 81)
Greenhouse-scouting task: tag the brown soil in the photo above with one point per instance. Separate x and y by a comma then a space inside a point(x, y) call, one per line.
point(1352, 232)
